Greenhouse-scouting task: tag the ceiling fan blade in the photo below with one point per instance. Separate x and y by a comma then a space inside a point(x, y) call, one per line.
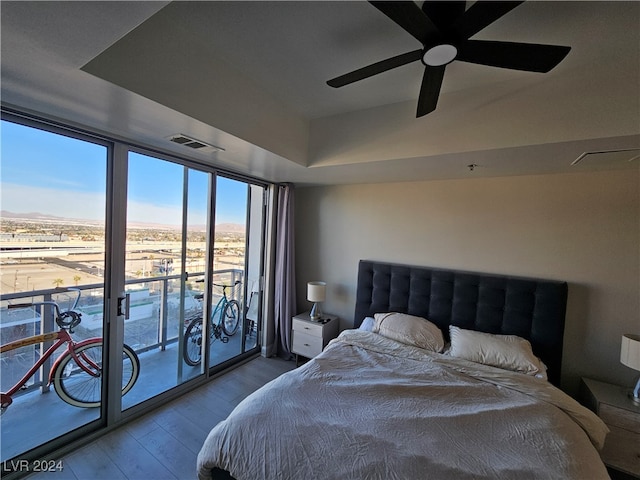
point(408, 15)
point(481, 14)
point(443, 14)
point(430, 89)
point(374, 69)
point(529, 57)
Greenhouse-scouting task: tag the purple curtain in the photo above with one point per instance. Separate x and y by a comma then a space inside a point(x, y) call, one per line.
point(285, 285)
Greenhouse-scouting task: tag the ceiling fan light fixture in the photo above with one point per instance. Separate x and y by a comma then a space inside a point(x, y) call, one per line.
point(439, 55)
point(441, 27)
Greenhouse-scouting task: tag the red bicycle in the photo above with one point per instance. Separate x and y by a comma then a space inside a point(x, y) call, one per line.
point(77, 373)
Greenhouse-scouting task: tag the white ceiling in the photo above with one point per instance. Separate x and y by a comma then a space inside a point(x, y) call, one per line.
point(250, 77)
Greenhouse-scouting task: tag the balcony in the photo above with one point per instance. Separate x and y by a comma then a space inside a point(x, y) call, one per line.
point(152, 330)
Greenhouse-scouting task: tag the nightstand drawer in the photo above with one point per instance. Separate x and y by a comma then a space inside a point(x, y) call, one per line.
point(309, 337)
point(613, 405)
point(622, 450)
point(620, 417)
point(306, 345)
point(308, 328)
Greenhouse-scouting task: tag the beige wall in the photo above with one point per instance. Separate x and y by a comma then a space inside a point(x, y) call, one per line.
point(582, 228)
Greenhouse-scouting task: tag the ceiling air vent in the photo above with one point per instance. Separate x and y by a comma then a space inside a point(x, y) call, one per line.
point(194, 144)
point(608, 157)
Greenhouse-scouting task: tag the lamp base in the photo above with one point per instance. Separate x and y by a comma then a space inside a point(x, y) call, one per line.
point(634, 394)
point(316, 312)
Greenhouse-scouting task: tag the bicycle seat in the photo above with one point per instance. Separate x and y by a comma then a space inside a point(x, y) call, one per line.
point(69, 319)
point(200, 296)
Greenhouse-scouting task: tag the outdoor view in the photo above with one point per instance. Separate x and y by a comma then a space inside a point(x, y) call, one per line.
point(53, 244)
point(40, 252)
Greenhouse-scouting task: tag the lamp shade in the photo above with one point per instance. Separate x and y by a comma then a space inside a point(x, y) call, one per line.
point(630, 351)
point(316, 291)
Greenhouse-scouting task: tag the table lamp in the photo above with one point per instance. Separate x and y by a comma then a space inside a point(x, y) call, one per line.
point(630, 356)
point(316, 293)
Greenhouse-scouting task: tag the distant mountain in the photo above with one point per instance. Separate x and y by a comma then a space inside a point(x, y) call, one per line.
point(35, 216)
point(30, 216)
point(230, 228)
point(220, 228)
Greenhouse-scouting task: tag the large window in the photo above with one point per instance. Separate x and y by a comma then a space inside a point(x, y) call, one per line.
point(180, 245)
point(53, 238)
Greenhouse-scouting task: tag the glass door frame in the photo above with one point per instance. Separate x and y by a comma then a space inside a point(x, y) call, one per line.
point(118, 149)
point(121, 151)
point(118, 278)
point(92, 427)
point(210, 269)
point(114, 282)
point(262, 262)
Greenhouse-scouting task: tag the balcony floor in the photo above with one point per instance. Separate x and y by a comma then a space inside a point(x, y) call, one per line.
point(35, 417)
point(165, 442)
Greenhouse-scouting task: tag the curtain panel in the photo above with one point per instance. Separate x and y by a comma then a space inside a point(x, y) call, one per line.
point(285, 281)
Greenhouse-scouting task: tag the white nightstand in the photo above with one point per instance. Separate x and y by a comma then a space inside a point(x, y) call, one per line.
point(309, 337)
point(612, 404)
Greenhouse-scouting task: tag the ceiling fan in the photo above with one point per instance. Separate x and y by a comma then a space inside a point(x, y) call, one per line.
point(444, 29)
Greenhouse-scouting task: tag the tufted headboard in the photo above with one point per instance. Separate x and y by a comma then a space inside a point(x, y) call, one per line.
point(530, 308)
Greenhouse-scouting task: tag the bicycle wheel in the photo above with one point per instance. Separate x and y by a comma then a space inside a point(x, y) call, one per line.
point(230, 318)
point(192, 350)
point(77, 387)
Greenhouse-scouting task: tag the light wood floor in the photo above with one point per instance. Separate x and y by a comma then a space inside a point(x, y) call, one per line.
point(164, 443)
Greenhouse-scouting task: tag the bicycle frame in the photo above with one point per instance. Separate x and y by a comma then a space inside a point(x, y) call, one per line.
point(219, 309)
point(62, 336)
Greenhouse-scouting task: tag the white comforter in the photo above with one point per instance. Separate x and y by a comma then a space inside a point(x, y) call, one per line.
point(372, 408)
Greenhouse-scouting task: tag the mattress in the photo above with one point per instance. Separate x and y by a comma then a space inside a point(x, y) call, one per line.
point(370, 407)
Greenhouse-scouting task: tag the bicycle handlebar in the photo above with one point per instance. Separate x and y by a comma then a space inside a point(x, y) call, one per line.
point(237, 282)
point(61, 317)
point(33, 304)
point(75, 303)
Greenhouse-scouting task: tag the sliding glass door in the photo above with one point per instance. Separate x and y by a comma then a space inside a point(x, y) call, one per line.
point(160, 258)
point(234, 288)
point(192, 272)
point(53, 245)
point(166, 244)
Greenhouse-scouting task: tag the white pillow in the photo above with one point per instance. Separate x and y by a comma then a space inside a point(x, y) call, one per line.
point(508, 352)
point(367, 324)
point(410, 330)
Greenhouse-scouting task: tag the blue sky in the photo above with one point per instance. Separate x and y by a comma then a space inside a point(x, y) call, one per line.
point(57, 175)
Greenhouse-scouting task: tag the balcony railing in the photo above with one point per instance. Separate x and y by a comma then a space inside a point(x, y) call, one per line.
point(154, 319)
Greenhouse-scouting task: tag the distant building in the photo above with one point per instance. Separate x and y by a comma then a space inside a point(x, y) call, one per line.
point(33, 237)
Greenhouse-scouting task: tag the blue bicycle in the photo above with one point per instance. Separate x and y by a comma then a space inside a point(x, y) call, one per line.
point(227, 313)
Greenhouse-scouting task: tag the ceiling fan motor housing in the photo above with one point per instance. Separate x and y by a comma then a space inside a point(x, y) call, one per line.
point(440, 54)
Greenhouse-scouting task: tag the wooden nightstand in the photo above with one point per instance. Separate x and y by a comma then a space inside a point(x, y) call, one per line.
point(309, 337)
point(612, 404)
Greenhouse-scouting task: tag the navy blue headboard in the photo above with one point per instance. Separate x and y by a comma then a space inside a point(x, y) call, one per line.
point(530, 308)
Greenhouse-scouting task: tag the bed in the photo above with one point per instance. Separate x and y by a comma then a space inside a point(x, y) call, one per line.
point(445, 375)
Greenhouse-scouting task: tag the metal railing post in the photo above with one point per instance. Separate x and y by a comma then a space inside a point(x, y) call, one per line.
point(47, 325)
point(164, 295)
